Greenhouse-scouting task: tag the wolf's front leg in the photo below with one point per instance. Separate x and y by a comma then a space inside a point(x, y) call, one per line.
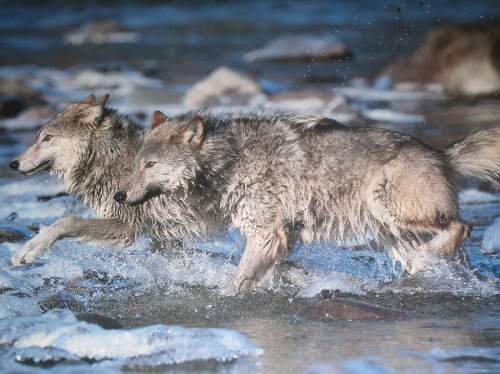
point(262, 251)
point(107, 231)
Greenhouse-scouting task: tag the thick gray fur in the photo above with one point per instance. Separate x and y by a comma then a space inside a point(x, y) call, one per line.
point(92, 149)
point(285, 177)
point(277, 179)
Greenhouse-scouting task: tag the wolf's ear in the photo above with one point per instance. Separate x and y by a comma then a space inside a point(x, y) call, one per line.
point(88, 100)
point(193, 132)
point(92, 112)
point(158, 118)
point(102, 101)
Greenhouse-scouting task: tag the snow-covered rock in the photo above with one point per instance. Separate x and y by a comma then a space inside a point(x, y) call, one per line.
point(300, 47)
point(226, 87)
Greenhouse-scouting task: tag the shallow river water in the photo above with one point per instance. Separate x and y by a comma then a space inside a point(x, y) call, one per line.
point(168, 309)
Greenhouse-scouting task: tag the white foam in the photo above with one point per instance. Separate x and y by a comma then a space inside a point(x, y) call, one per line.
point(37, 185)
point(152, 345)
point(342, 282)
point(13, 306)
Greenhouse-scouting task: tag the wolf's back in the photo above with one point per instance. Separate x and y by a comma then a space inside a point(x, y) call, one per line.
point(477, 155)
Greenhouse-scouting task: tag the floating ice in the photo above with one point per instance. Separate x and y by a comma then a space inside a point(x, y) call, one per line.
point(57, 335)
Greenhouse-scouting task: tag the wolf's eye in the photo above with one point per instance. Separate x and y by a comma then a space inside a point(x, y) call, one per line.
point(46, 138)
point(150, 164)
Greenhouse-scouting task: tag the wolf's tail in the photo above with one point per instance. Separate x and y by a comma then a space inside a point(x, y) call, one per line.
point(477, 155)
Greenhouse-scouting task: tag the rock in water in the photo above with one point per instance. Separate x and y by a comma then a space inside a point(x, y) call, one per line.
point(300, 48)
point(344, 309)
point(15, 96)
point(224, 87)
point(464, 59)
point(13, 234)
point(311, 102)
point(105, 322)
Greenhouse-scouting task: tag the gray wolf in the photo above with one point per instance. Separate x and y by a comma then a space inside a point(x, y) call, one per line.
point(92, 149)
point(282, 178)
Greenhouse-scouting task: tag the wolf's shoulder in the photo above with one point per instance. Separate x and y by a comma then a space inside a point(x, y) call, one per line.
point(293, 122)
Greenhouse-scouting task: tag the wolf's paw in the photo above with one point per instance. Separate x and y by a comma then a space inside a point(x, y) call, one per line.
point(246, 284)
point(28, 254)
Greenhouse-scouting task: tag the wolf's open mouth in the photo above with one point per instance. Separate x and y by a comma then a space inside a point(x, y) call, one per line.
point(41, 167)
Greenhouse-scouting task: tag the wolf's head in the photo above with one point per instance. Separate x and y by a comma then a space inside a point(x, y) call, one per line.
point(63, 141)
point(168, 159)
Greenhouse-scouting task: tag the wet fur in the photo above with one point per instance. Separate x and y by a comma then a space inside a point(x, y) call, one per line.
point(283, 177)
point(93, 157)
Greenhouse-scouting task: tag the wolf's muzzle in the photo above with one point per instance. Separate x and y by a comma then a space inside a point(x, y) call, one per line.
point(120, 196)
point(14, 165)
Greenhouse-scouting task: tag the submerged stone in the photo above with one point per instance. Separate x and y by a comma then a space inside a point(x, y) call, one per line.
point(345, 309)
point(105, 322)
point(15, 96)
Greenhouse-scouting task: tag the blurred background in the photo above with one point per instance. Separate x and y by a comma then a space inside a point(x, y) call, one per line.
point(181, 41)
point(315, 57)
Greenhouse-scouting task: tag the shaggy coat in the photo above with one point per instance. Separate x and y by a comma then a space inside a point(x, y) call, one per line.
point(283, 178)
point(92, 149)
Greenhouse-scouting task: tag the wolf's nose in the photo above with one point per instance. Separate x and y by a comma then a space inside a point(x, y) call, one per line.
point(120, 196)
point(14, 165)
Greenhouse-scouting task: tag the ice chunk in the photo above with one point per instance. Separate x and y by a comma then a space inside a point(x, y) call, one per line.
point(151, 345)
point(491, 238)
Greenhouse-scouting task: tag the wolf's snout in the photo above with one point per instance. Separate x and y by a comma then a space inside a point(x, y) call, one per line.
point(14, 165)
point(120, 196)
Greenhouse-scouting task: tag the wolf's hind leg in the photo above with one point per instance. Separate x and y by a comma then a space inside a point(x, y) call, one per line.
point(447, 237)
point(262, 252)
point(108, 231)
